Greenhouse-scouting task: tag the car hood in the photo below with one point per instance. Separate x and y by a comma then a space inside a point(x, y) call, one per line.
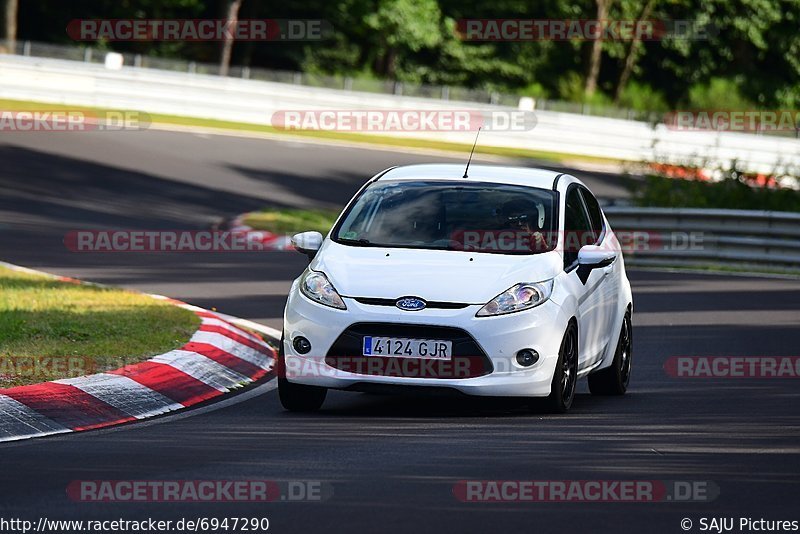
point(433, 275)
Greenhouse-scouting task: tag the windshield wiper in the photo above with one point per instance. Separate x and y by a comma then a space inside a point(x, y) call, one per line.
point(358, 242)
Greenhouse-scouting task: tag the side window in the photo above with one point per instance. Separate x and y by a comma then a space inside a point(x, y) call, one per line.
point(595, 215)
point(577, 228)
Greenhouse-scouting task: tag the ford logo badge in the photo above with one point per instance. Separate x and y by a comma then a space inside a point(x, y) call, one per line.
point(410, 304)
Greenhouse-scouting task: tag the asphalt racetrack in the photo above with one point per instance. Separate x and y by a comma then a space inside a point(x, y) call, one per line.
point(390, 462)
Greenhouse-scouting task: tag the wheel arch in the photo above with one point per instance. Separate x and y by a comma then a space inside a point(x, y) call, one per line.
point(611, 349)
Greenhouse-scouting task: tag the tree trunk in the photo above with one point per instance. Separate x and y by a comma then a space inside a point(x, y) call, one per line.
point(390, 63)
point(12, 6)
point(633, 54)
point(227, 45)
point(597, 49)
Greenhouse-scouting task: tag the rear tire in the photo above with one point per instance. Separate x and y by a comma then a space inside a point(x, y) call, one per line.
point(298, 397)
point(565, 377)
point(614, 380)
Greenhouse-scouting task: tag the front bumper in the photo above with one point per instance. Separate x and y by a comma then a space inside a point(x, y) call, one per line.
point(499, 339)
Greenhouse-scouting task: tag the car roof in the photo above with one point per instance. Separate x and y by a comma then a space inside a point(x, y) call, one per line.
point(532, 177)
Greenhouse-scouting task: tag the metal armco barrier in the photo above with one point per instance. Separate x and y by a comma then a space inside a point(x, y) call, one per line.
point(683, 236)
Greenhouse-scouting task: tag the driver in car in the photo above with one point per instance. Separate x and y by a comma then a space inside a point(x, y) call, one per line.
point(518, 217)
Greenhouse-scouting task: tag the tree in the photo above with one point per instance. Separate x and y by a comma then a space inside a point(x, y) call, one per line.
point(633, 52)
point(12, 7)
point(752, 43)
point(227, 45)
point(597, 48)
point(404, 27)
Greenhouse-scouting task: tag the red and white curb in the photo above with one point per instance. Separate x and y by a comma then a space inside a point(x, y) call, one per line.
point(268, 240)
point(218, 358)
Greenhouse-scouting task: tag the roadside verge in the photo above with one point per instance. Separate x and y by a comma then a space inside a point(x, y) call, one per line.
point(219, 357)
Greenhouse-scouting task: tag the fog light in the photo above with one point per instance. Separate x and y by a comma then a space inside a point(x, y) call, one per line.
point(527, 357)
point(301, 345)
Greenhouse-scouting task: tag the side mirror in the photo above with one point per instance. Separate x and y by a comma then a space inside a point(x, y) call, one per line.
point(593, 257)
point(307, 243)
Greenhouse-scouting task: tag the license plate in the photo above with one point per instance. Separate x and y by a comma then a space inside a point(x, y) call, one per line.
point(400, 347)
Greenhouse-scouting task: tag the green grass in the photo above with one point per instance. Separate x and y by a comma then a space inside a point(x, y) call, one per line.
point(288, 221)
point(51, 329)
point(381, 140)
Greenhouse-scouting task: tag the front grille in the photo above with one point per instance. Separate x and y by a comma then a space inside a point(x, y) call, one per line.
point(468, 361)
point(432, 304)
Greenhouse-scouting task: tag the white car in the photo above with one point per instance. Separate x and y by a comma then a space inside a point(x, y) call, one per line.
point(507, 283)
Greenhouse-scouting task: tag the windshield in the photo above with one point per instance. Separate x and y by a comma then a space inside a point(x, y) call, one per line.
point(477, 217)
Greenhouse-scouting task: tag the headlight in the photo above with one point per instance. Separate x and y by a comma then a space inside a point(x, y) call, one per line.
point(517, 298)
point(317, 287)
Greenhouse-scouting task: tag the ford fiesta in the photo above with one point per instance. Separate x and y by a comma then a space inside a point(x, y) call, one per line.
point(508, 282)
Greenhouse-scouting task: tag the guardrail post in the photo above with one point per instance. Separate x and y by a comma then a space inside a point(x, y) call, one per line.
point(445, 92)
point(192, 67)
point(87, 55)
point(348, 83)
point(297, 78)
point(246, 72)
point(26, 48)
point(398, 88)
point(137, 60)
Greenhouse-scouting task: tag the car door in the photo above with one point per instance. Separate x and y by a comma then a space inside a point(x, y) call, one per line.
point(608, 290)
point(589, 292)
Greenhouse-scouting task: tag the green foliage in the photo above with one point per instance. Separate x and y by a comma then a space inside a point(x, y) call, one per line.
point(743, 53)
point(753, 41)
point(535, 90)
point(403, 27)
point(409, 24)
point(719, 93)
point(289, 221)
point(642, 97)
point(571, 87)
point(730, 193)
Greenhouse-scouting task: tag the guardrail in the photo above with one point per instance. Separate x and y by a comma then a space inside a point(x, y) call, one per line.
point(694, 237)
point(212, 97)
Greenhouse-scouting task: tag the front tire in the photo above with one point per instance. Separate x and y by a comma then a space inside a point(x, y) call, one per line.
point(565, 377)
point(298, 397)
point(614, 380)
